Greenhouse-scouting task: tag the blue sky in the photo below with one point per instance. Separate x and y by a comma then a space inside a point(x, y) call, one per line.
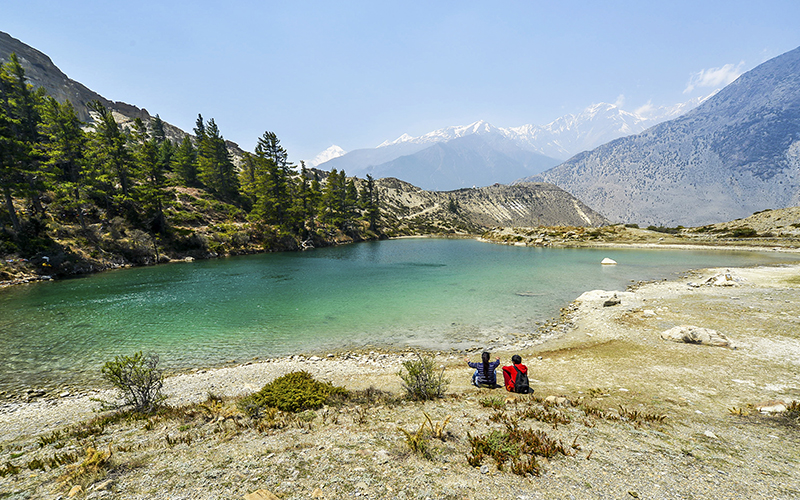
point(357, 73)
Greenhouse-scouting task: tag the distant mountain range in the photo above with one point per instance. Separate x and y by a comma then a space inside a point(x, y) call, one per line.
point(480, 154)
point(735, 154)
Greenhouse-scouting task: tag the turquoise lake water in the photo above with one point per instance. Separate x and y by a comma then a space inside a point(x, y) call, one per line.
point(430, 293)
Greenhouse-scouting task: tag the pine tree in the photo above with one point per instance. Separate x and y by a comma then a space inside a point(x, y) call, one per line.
point(159, 134)
point(184, 162)
point(350, 203)
point(301, 212)
point(19, 120)
point(215, 167)
point(333, 198)
point(152, 191)
point(63, 148)
point(371, 206)
point(273, 181)
point(110, 155)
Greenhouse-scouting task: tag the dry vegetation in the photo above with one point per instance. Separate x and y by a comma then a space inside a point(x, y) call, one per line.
point(617, 412)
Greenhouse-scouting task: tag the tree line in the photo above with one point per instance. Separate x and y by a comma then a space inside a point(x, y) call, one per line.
point(52, 162)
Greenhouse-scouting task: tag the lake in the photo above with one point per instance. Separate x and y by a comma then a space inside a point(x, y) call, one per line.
point(426, 293)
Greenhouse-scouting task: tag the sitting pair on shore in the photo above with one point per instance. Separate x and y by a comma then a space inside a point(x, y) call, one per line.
point(515, 376)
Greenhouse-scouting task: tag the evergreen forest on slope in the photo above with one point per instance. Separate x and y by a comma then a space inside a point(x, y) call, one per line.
point(81, 197)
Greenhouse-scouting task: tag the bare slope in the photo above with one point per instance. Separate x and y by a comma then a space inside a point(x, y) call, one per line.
point(735, 154)
point(473, 210)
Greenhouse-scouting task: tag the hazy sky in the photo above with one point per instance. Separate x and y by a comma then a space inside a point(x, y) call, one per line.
point(358, 73)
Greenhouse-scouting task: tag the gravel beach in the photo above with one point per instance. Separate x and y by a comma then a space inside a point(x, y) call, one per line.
point(640, 416)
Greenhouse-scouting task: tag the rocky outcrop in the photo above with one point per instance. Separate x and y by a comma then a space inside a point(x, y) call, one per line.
point(690, 334)
point(41, 72)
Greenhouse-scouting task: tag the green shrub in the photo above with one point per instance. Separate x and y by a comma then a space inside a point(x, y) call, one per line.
point(666, 230)
point(743, 232)
point(138, 378)
point(293, 392)
point(420, 379)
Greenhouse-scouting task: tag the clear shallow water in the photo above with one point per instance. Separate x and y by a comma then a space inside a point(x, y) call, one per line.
point(418, 292)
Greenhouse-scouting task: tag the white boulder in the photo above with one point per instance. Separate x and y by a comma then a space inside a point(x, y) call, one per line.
point(690, 334)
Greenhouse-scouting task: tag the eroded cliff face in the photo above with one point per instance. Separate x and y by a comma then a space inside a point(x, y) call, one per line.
point(472, 210)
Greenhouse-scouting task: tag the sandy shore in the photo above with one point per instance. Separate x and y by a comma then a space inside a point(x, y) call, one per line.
point(611, 355)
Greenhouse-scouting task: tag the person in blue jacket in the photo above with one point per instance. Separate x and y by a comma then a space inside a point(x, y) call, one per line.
point(484, 375)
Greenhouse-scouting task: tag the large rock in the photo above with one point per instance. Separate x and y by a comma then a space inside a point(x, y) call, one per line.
point(690, 334)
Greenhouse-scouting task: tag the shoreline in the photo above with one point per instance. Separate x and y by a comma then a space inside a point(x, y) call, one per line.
point(604, 372)
point(33, 278)
point(340, 368)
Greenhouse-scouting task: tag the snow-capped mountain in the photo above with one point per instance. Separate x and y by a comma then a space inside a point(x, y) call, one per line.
point(327, 155)
point(444, 159)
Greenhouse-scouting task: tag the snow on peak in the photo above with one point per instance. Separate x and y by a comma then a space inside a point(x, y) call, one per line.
point(329, 154)
point(566, 135)
point(399, 140)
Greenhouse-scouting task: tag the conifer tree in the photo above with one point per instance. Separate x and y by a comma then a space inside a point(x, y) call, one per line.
point(370, 204)
point(184, 162)
point(301, 212)
point(63, 149)
point(158, 134)
point(350, 202)
point(215, 167)
point(19, 120)
point(110, 155)
point(273, 180)
point(248, 179)
point(151, 191)
point(315, 198)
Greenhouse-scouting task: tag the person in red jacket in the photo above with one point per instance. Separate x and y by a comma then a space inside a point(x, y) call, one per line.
point(515, 371)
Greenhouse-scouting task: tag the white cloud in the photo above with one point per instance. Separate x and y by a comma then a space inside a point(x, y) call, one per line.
point(714, 77)
point(620, 101)
point(645, 110)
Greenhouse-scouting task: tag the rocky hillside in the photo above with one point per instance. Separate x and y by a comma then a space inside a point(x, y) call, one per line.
point(41, 72)
point(774, 229)
point(408, 208)
point(735, 154)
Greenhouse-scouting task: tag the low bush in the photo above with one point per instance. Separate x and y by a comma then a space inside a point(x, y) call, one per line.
point(517, 445)
point(420, 379)
point(293, 392)
point(138, 378)
point(743, 232)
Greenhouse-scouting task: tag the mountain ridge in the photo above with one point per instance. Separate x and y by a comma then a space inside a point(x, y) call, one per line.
point(40, 71)
point(544, 147)
point(735, 154)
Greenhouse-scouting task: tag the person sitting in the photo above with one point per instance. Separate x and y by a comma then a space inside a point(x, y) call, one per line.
point(484, 375)
point(516, 376)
